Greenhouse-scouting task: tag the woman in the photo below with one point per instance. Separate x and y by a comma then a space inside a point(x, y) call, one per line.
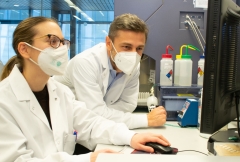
point(39, 118)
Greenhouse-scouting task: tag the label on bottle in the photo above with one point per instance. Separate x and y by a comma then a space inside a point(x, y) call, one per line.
point(166, 72)
point(169, 75)
point(200, 71)
point(167, 66)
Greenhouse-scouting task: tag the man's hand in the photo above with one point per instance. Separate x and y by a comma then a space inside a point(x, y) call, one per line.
point(157, 117)
point(95, 154)
point(138, 141)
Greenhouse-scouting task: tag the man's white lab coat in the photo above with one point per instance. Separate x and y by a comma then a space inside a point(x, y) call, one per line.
point(87, 76)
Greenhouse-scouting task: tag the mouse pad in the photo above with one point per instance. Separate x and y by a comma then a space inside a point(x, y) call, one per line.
point(174, 152)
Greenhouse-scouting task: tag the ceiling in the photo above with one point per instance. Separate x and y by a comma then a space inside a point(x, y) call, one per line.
point(84, 5)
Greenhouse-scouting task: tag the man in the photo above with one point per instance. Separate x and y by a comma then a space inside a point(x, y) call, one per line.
point(106, 76)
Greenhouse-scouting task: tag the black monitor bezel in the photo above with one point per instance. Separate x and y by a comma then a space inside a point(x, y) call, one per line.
point(218, 109)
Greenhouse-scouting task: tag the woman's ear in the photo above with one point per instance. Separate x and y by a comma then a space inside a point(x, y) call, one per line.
point(24, 50)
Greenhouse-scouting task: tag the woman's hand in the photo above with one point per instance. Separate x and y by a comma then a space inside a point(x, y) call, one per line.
point(94, 155)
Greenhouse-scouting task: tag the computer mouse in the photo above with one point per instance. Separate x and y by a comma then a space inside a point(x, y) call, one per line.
point(158, 148)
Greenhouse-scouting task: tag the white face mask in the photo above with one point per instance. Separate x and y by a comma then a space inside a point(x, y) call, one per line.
point(52, 61)
point(126, 61)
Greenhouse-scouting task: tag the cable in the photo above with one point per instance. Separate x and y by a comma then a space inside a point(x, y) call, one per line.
point(190, 22)
point(195, 33)
point(122, 149)
point(199, 32)
point(177, 126)
point(172, 125)
point(204, 136)
point(193, 151)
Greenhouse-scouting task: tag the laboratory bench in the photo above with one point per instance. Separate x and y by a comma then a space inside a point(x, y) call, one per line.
point(191, 145)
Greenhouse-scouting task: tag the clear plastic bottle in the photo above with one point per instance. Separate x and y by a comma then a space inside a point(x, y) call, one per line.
point(185, 78)
point(177, 64)
point(177, 70)
point(201, 63)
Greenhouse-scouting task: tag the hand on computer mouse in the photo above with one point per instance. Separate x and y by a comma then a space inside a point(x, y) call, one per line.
point(160, 149)
point(157, 117)
point(140, 139)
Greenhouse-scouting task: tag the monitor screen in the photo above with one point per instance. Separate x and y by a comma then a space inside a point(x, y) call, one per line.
point(222, 66)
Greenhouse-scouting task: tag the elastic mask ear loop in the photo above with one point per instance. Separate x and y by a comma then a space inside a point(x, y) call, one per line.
point(111, 56)
point(33, 61)
point(111, 51)
point(35, 49)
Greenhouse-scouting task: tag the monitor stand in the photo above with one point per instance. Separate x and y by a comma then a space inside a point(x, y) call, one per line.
point(222, 136)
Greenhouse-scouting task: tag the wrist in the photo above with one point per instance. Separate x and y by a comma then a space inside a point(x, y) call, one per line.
point(149, 120)
point(132, 140)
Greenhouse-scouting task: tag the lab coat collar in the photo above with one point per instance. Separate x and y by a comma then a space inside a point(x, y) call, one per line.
point(101, 53)
point(19, 85)
point(103, 57)
point(51, 86)
point(23, 92)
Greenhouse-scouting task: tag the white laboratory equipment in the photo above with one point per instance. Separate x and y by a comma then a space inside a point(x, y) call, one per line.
point(200, 70)
point(166, 68)
point(177, 70)
point(152, 101)
point(185, 78)
point(177, 63)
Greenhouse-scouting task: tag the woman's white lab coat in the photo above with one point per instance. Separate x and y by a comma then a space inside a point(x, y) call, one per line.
point(87, 76)
point(25, 134)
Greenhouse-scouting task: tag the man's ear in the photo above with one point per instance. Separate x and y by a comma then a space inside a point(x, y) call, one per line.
point(23, 50)
point(108, 43)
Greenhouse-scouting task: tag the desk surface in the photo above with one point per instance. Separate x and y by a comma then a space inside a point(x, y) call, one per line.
point(181, 138)
point(167, 158)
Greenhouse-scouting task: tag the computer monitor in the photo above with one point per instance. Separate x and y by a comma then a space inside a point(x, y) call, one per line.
point(222, 66)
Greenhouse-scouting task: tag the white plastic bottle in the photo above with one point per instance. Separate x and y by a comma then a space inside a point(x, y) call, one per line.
point(201, 63)
point(166, 70)
point(177, 70)
point(200, 108)
point(185, 78)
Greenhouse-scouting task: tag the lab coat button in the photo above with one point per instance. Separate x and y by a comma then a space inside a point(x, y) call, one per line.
point(55, 99)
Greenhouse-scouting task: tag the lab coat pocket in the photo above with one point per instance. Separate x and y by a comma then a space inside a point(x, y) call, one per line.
point(69, 144)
